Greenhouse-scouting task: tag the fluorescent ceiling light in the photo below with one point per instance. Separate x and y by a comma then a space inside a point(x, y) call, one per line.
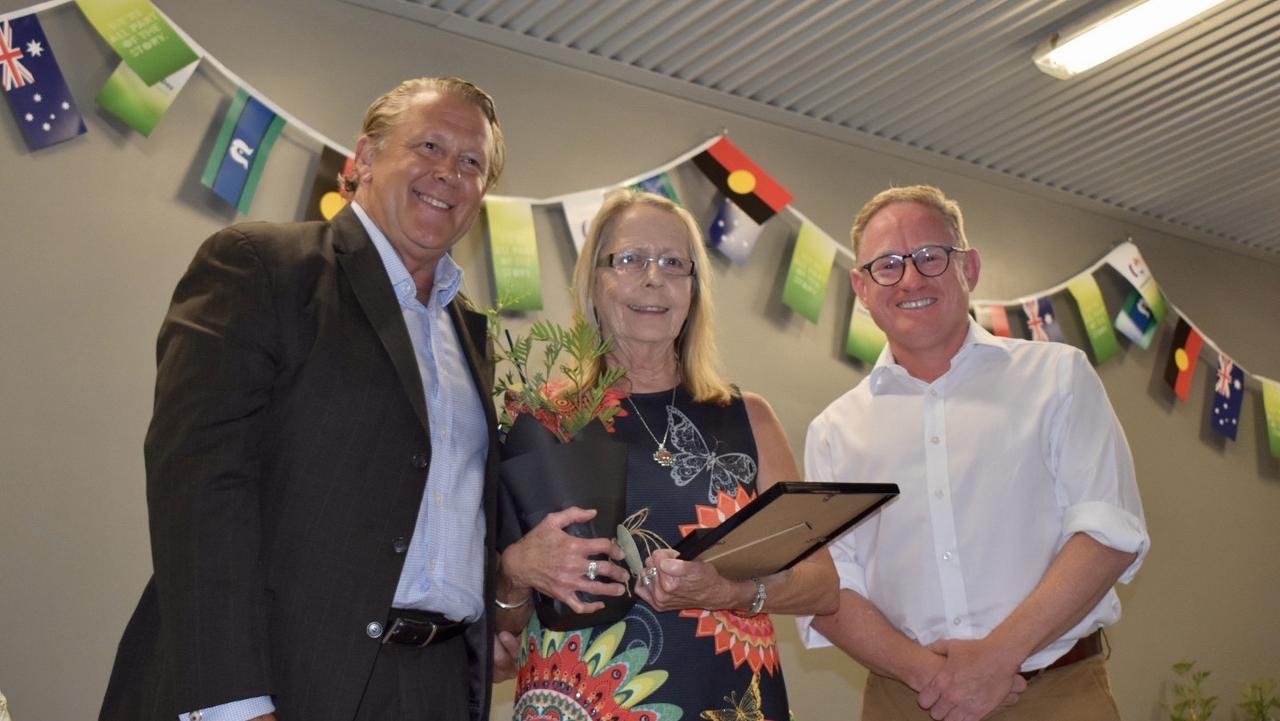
point(1094, 42)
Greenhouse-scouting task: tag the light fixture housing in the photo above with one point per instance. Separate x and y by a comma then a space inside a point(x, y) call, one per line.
point(1114, 30)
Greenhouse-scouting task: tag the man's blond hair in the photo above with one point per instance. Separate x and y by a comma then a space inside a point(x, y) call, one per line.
point(385, 112)
point(925, 195)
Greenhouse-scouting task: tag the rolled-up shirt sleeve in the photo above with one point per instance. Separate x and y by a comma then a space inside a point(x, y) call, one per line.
point(818, 467)
point(1093, 467)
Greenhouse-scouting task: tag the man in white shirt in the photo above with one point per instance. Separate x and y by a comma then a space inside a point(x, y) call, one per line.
point(982, 590)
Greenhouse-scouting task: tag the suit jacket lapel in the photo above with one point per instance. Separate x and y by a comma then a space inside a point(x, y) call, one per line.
point(359, 259)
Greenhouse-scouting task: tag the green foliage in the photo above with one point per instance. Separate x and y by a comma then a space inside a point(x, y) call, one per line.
point(561, 394)
point(1190, 702)
point(1260, 700)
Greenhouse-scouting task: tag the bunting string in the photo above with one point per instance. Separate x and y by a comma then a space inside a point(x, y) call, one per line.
point(750, 198)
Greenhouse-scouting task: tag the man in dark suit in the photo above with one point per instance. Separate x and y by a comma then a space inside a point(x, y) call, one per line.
point(321, 459)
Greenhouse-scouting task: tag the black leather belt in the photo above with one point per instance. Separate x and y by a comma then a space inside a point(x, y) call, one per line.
point(1087, 647)
point(408, 627)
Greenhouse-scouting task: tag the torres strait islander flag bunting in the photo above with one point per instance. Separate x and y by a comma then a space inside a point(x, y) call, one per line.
point(1183, 356)
point(237, 160)
point(33, 83)
point(741, 180)
point(1137, 321)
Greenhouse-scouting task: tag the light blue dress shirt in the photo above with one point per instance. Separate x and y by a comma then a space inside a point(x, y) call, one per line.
point(444, 567)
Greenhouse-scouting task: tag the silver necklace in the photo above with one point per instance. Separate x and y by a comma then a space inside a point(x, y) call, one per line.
point(661, 456)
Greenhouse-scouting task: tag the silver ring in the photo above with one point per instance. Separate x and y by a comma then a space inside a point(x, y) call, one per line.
point(593, 570)
point(649, 575)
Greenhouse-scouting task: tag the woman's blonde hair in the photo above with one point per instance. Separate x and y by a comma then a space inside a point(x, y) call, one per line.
point(695, 346)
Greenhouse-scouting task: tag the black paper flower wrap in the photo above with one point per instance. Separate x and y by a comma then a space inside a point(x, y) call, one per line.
point(540, 475)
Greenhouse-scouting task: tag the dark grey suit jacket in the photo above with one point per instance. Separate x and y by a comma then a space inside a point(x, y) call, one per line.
point(286, 460)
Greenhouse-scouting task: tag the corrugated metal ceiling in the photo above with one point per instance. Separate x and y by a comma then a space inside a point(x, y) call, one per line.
point(1182, 132)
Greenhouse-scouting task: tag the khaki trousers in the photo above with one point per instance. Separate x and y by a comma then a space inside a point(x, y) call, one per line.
point(1079, 692)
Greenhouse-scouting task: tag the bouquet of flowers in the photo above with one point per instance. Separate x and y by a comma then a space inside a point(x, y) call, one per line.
point(564, 405)
point(554, 453)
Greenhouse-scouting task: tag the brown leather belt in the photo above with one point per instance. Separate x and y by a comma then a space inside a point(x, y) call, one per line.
point(1087, 647)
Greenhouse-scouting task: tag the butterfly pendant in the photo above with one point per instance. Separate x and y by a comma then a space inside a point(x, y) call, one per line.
point(692, 457)
point(745, 709)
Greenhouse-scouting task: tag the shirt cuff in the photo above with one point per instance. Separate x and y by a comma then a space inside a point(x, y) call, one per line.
point(1111, 526)
point(852, 577)
point(235, 711)
point(808, 636)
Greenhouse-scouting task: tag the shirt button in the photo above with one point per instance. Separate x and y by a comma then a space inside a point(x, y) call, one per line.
point(420, 460)
point(956, 621)
point(373, 630)
point(933, 392)
point(938, 493)
point(946, 556)
point(196, 715)
point(437, 498)
point(934, 440)
point(400, 545)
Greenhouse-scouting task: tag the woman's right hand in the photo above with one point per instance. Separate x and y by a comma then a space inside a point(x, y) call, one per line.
point(554, 563)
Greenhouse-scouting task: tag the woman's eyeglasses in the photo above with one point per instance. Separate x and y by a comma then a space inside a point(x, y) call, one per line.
point(630, 261)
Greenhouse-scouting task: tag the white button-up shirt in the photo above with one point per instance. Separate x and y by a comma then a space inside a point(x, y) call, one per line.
point(1014, 449)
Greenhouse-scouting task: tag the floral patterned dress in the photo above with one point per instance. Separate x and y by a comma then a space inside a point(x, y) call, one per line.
point(650, 666)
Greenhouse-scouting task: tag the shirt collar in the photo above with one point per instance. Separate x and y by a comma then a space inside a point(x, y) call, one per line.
point(888, 375)
point(445, 284)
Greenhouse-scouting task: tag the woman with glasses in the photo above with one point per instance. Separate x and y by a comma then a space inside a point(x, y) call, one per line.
point(699, 450)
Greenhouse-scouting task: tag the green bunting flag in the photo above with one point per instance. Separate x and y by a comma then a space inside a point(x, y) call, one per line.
point(1093, 311)
point(865, 340)
point(810, 268)
point(140, 36)
point(1127, 261)
point(1271, 402)
point(138, 105)
point(513, 249)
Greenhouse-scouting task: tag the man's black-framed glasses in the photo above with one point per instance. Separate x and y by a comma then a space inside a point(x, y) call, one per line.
point(630, 261)
point(930, 261)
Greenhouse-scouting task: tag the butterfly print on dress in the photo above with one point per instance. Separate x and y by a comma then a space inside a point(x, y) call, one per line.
point(692, 457)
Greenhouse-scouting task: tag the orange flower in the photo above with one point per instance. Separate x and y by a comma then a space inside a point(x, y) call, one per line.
point(559, 395)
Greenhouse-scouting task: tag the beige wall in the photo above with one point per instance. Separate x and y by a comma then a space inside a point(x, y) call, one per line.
point(96, 232)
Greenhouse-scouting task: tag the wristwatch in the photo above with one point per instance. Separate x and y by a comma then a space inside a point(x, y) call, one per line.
point(757, 603)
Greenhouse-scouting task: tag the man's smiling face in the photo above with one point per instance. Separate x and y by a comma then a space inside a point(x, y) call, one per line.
point(423, 183)
point(918, 314)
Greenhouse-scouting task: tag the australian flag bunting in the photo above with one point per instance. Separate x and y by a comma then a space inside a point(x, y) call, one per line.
point(733, 232)
point(1042, 322)
point(38, 95)
point(1227, 398)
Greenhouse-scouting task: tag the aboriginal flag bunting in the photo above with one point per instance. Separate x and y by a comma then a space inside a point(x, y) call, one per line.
point(1183, 356)
point(742, 181)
